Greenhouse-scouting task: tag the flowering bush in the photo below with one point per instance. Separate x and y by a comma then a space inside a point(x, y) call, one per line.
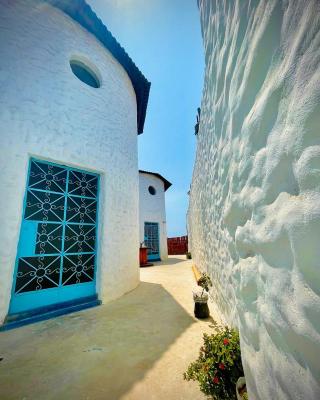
point(219, 365)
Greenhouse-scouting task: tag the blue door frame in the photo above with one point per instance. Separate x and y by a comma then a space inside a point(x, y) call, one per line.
point(57, 249)
point(151, 239)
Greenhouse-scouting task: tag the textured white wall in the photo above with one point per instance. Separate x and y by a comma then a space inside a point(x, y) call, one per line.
point(254, 214)
point(46, 112)
point(153, 209)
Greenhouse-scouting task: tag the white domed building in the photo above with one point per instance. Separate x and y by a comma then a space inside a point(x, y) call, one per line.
point(71, 105)
point(153, 228)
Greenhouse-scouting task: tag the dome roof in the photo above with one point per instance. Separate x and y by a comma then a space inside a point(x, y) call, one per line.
point(82, 13)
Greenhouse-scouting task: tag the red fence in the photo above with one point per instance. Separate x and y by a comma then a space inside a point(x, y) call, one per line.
point(177, 245)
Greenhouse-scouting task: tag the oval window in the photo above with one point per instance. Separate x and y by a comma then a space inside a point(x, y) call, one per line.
point(152, 190)
point(84, 73)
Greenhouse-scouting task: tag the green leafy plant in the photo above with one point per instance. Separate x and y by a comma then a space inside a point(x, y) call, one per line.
point(218, 366)
point(188, 255)
point(204, 282)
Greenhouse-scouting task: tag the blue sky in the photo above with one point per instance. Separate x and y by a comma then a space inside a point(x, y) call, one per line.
point(163, 37)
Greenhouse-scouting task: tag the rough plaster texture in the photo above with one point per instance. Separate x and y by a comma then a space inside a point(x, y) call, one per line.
point(254, 214)
point(152, 208)
point(46, 112)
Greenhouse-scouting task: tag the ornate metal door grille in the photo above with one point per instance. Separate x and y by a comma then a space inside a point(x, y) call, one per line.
point(151, 235)
point(57, 247)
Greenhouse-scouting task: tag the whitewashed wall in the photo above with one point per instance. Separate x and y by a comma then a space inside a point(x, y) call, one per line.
point(152, 208)
point(46, 112)
point(254, 214)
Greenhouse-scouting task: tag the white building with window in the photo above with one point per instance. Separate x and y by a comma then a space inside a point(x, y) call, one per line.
point(153, 230)
point(71, 105)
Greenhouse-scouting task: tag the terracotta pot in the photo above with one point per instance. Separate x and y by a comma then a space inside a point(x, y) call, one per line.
point(143, 252)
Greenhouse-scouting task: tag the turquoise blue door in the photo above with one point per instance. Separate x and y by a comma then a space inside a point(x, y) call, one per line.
point(151, 240)
point(56, 257)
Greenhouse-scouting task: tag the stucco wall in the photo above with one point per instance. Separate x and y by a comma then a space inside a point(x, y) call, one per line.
point(153, 209)
point(254, 214)
point(46, 112)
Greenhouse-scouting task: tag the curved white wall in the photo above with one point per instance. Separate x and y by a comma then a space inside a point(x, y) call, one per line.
point(153, 209)
point(254, 214)
point(46, 112)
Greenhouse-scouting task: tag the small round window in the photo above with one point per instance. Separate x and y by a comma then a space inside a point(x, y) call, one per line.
point(152, 190)
point(84, 73)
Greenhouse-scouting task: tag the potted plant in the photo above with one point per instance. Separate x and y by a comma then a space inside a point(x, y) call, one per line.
point(188, 255)
point(241, 389)
point(218, 366)
point(201, 309)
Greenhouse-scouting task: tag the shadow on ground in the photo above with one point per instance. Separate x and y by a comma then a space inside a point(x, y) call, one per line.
point(170, 261)
point(95, 354)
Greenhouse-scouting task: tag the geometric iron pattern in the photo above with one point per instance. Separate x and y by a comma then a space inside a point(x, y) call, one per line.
point(63, 202)
point(49, 238)
point(78, 268)
point(81, 210)
point(151, 235)
point(36, 273)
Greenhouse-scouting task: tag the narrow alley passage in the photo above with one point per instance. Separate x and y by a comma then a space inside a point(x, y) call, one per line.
point(136, 347)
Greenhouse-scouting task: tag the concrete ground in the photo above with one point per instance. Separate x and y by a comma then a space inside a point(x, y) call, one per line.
point(134, 348)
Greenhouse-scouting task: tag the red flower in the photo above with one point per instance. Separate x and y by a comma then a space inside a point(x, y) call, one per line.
point(215, 379)
point(221, 366)
point(225, 341)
